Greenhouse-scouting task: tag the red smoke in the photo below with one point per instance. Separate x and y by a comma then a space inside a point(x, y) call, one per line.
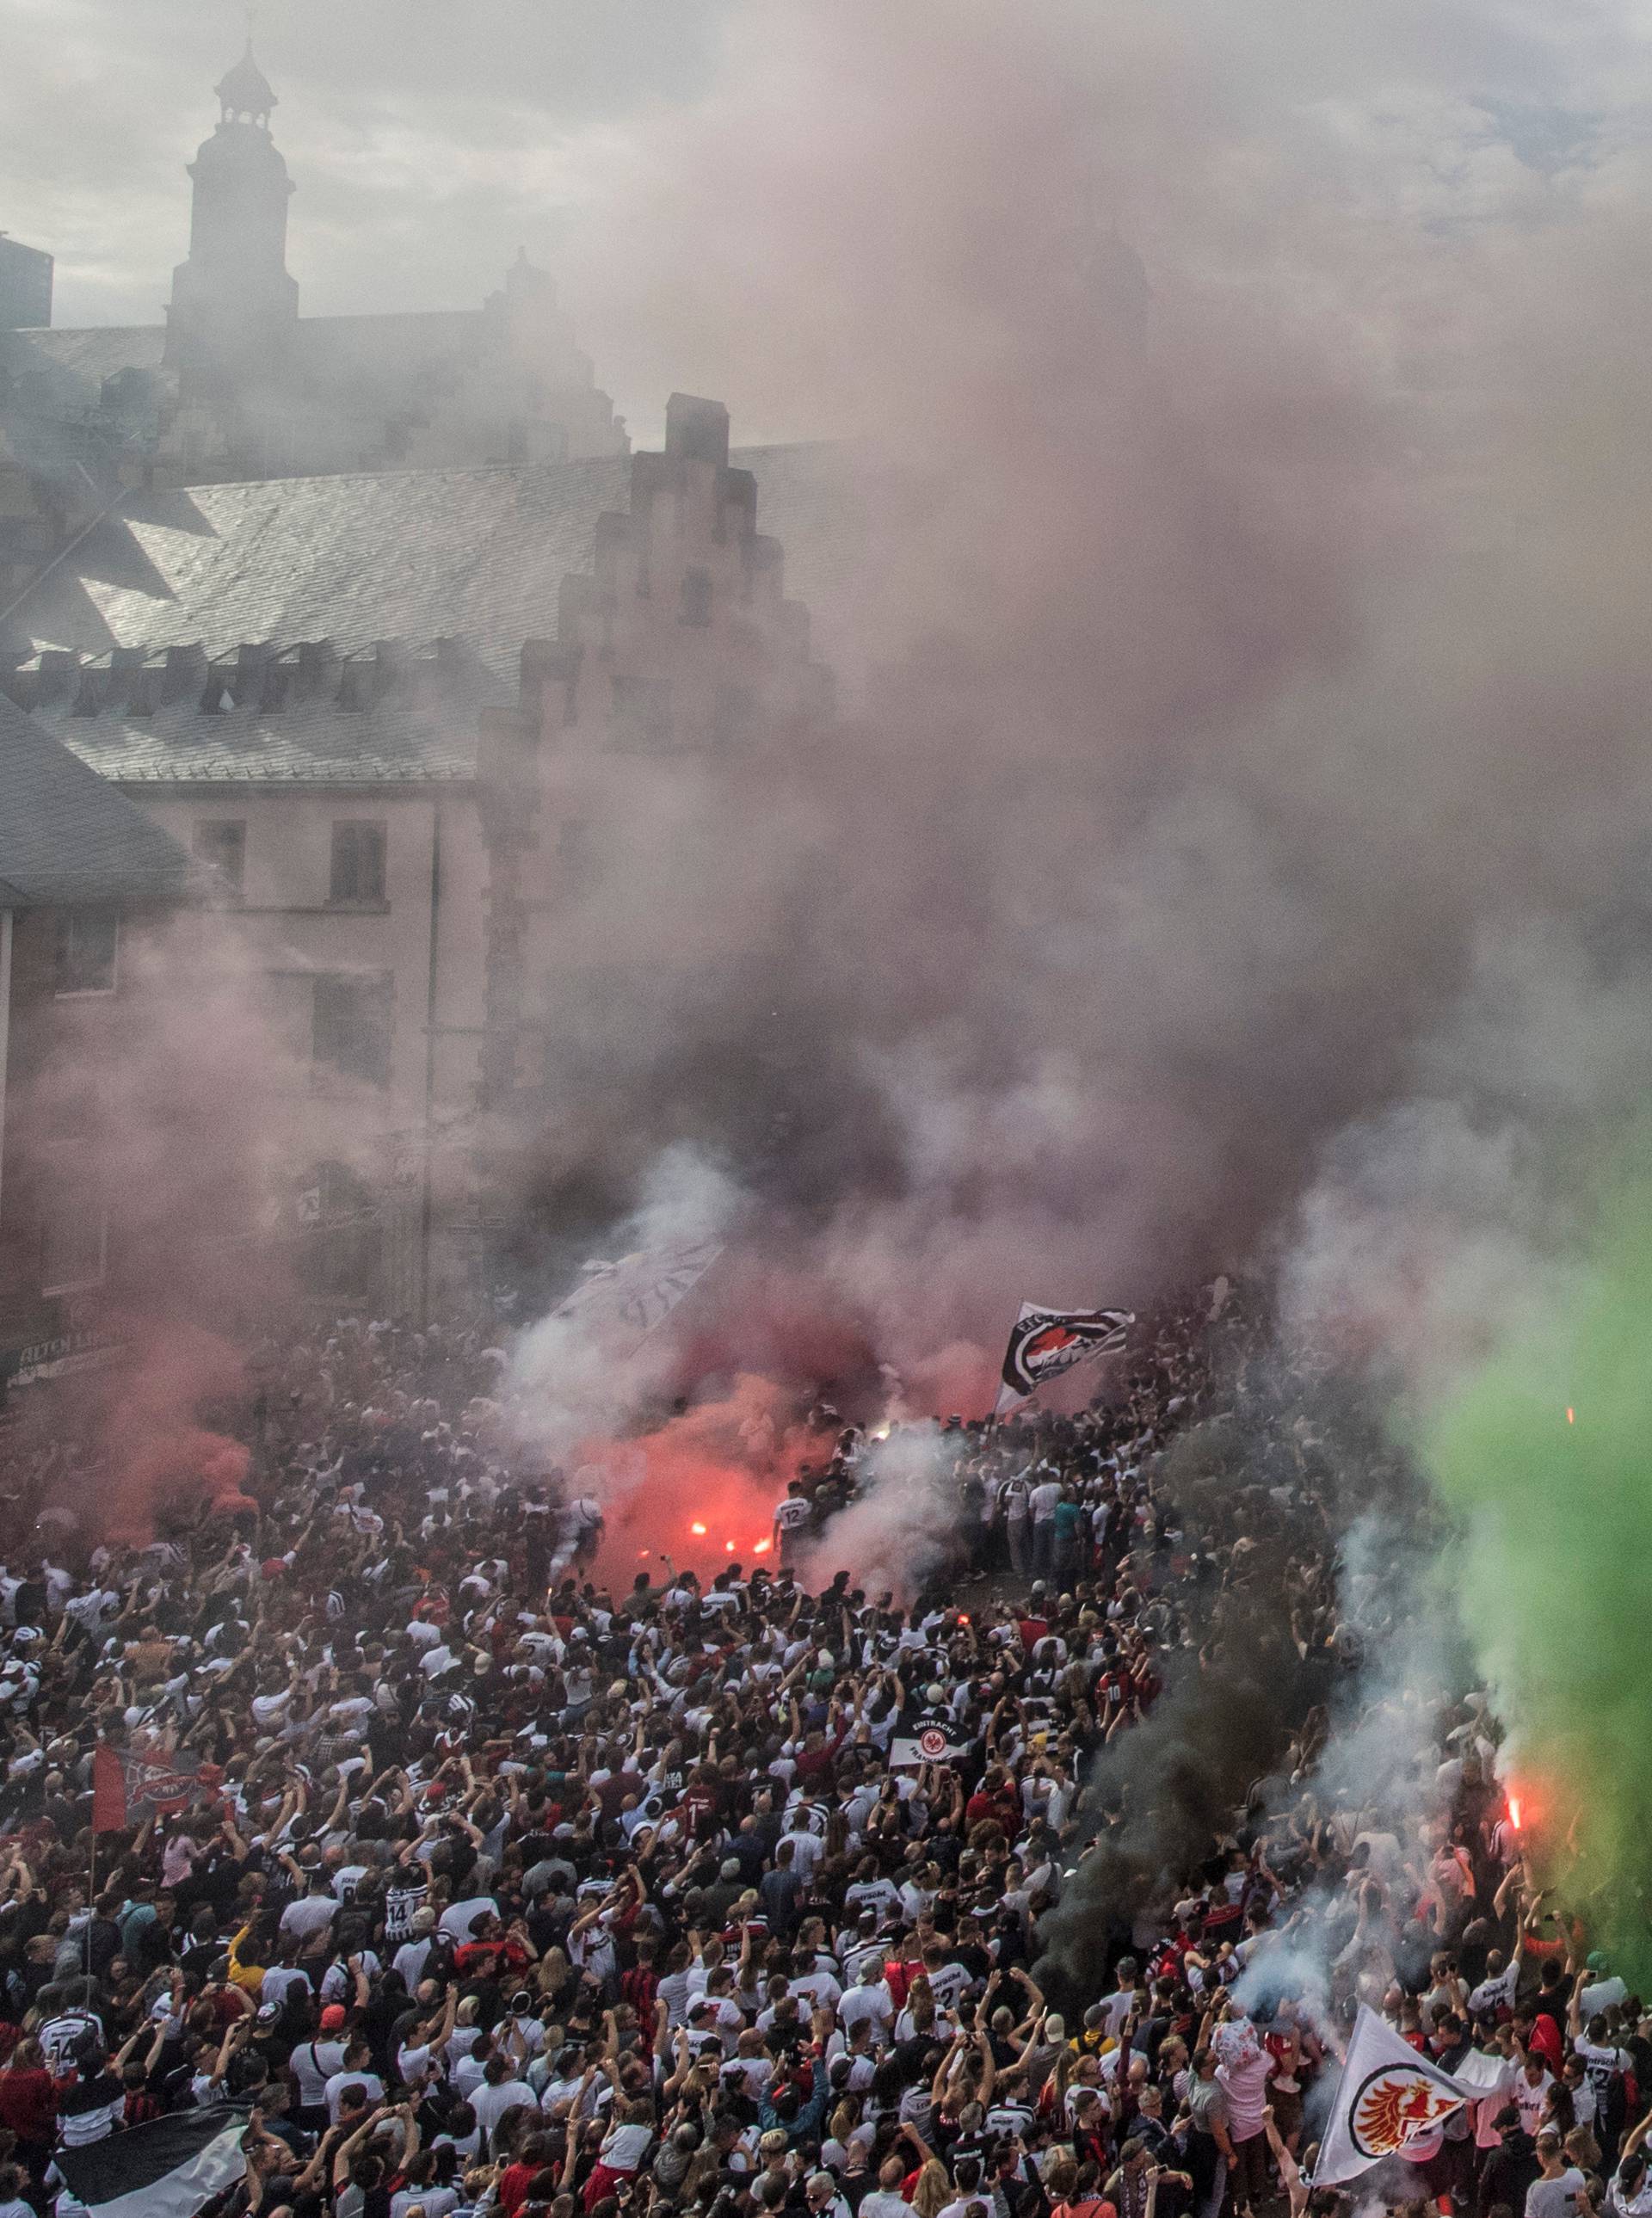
point(722, 1466)
point(144, 1452)
point(157, 1455)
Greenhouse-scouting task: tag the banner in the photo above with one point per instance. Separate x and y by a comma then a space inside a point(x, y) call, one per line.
point(1390, 2101)
point(931, 1743)
point(128, 1789)
point(624, 1301)
point(165, 2169)
point(1045, 1342)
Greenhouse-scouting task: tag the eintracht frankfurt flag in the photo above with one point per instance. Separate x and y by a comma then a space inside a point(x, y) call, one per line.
point(1390, 2100)
point(166, 2169)
point(1045, 1342)
point(931, 1743)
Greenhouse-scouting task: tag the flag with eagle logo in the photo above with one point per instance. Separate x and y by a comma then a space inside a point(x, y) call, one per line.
point(1045, 1342)
point(1390, 2101)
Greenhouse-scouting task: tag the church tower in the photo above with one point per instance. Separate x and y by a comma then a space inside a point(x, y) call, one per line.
point(233, 305)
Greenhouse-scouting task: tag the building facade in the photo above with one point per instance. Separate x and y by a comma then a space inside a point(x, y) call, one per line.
point(87, 884)
point(421, 849)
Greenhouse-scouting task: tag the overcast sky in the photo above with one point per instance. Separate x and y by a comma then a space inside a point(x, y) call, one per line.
point(429, 139)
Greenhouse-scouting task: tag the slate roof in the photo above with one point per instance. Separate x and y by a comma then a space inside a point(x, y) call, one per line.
point(60, 373)
point(348, 723)
point(62, 370)
point(66, 836)
point(476, 554)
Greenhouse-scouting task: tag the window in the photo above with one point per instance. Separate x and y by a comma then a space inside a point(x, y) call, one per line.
point(697, 597)
point(357, 862)
point(74, 1235)
point(222, 846)
point(351, 1029)
point(87, 940)
point(342, 1256)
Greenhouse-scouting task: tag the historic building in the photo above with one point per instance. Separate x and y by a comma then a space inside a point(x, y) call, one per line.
point(407, 719)
point(379, 620)
point(85, 877)
point(235, 383)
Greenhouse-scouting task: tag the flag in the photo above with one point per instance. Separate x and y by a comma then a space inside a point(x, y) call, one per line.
point(129, 1789)
point(108, 1790)
point(623, 1302)
point(1388, 2102)
point(931, 1743)
point(166, 2169)
point(1045, 1342)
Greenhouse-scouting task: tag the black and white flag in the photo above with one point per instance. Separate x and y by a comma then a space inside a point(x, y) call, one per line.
point(933, 1741)
point(166, 2169)
point(1045, 1342)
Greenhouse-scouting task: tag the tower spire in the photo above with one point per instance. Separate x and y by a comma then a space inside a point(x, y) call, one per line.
point(243, 93)
point(233, 305)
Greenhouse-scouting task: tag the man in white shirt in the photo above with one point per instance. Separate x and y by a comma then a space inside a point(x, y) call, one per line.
point(869, 1998)
point(354, 2072)
point(312, 1913)
point(1042, 1503)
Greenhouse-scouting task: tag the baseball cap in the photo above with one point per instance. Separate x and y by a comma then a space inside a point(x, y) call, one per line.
point(333, 2016)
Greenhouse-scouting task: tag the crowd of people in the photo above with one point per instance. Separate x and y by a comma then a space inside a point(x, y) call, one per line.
point(463, 1881)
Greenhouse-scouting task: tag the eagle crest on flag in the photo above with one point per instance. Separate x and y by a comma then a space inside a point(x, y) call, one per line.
point(1396, 2107)
point(1045, 1342)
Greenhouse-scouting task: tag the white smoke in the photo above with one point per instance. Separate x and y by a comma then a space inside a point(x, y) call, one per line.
point(902, 1527)
point(593, 1365)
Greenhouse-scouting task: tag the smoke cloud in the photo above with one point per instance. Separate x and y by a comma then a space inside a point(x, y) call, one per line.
point(1541, 1453)
point(1239, 644)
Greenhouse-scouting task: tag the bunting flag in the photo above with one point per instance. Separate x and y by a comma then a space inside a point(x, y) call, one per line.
point(1045, 1342)
point(166, 2169)
point(1390, 2101)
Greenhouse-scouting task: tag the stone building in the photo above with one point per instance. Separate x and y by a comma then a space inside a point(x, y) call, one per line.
point(85, 877)
point(406, 717)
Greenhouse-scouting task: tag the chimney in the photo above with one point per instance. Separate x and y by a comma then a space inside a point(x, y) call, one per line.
point(184, 667)
point(57, 665)
point(317, 666)
point(391, 663)
point(697, 431)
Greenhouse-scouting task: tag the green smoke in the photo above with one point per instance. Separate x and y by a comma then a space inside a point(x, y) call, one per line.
point(1556, 1564)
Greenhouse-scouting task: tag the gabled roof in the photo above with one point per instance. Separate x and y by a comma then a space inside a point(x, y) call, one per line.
point(475, 554)
point(68, 837)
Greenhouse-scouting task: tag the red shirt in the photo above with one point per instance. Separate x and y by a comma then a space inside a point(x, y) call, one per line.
point(28, 2104)
point(514, 2183)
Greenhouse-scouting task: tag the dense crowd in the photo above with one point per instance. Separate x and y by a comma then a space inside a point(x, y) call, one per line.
point(481, 1885)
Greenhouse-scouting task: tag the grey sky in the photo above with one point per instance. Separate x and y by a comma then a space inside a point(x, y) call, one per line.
point(429, 139)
